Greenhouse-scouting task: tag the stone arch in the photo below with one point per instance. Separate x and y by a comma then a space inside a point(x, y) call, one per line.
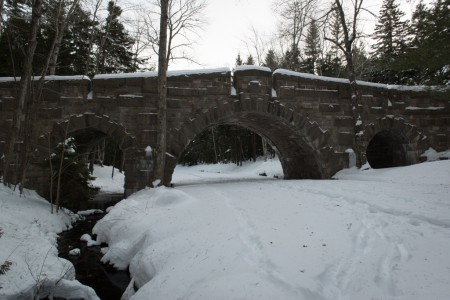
point(393, 142)
point(99, 125)
point(303, 146)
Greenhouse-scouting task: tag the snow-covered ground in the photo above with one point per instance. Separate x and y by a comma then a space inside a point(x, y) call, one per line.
point(108, 180)
point(225, 232)
point(373, 234)
point(29, 262)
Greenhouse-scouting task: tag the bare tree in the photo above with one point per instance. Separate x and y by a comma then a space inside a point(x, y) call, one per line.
point(346, 45)
point(25, 81)
point(184, 22)
point(1, 15)
point(62, 19)
point(141, 43)
point(95, 10)
point(295, 16)
point(178, 21)
point(257, 45)
point(162, 90)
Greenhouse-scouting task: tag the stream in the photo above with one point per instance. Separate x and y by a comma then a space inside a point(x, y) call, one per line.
point(107, 282)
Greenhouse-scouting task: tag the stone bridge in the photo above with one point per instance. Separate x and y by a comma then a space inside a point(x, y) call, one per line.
point(306, 117)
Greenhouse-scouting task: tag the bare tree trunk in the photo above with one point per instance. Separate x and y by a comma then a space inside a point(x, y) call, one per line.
point(91, 36)
point(1, 15)
point(21, 109)
point(60, 28)
point(346, 46)
point(50, 152)
point(214, 145)
point(162, 90)
point(254, 146)
point(60, 170)
point(26, 151)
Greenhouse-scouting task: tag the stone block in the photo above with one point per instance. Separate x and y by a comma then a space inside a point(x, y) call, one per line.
point(50, 113)
point(343, 121)
point(329, 107)
point(346, 138)
point(130, 100)
point(7, 104)
point(92, 120)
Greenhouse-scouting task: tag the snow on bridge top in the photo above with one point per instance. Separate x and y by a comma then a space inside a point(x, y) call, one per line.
point(239, 69)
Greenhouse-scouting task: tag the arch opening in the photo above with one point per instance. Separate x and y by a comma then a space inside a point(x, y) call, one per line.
point(226, 143)
point(95, 140)
point(72, 167)
point(387, 149)
point(298, 158)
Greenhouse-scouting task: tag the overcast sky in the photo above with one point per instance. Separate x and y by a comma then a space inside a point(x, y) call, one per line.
point(229, 22)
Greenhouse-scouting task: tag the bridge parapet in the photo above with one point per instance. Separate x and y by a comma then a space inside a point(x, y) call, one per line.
point(252, 79)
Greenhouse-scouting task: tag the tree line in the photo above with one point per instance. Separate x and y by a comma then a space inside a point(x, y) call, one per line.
point(412, 51)
point(71, 39)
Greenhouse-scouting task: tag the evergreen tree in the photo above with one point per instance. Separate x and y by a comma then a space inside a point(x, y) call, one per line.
point(115, 44)
point(239, 61)
point(291, 59)
point(391, 32)
point(391, 35)
point(271, 60)
point(75, 187)
point(250, 60)
point(330, 65)
point(14, 38)
point(75, 45)
point(426, 59)
point(335, 31)
point(312, 48)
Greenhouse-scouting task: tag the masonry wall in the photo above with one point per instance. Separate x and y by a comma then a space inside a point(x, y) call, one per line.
point(131, 101)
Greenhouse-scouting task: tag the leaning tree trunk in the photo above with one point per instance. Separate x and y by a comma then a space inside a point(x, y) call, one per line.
point(162, 90)
point(25, 79)
point(1, 14)
point(355, 98)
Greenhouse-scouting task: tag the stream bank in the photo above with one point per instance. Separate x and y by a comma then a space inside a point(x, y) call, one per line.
point(107, 282)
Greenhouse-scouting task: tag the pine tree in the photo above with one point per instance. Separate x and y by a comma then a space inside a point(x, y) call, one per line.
point(426, 59)
point(14, 38)
point(391, 32)
point(330, 65)
point(250, 60)
point(335, 31)
point(75, 49)
point(115, 44)
point(239, 61)
point(291, 59)
point(271, 60)
point(312, 48)
point(75, 187)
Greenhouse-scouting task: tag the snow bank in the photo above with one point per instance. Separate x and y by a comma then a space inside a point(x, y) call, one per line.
point(28, 242)
point(417, 88)
point(252, 67)
point(169, 73)
point(259, 170)
point(433, 155)
point(48, 78)
point(375, 234)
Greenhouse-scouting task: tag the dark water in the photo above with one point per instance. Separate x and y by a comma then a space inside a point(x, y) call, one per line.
point(107, 282)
